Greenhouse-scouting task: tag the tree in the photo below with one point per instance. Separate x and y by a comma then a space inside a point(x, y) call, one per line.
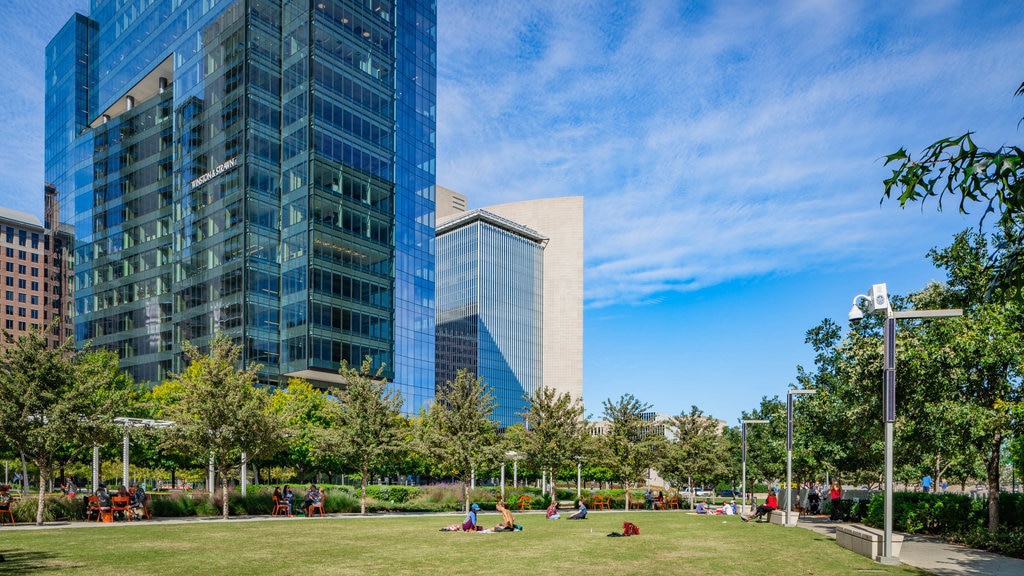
point(555, 429)
point(55, 403)
point(766, 443)
point(983, 353)
point(457, 428)
point(695, 450)
point(367, 426)
point(303, 409)
point(220, 411)
point(957, 167)
point(633, 439)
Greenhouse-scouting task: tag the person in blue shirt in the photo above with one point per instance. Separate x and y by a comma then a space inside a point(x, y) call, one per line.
point(926, 484)
point(580, 514)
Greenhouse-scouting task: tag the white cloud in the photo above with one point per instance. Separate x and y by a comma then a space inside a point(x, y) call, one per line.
point(714, 145)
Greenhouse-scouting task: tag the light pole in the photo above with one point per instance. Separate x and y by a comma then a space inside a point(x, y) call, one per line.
point(743, 435)
point(789, 448)
point(878, 301)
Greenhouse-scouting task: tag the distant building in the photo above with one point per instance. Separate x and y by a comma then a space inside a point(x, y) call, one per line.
point(490, 307)
point(35, 274)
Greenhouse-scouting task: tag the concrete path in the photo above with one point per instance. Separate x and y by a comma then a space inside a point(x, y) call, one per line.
point(936, 556)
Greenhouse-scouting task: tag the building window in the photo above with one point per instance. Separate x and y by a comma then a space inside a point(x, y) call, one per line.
point(9, 295)
point(34, 314)
point(9, 324)
point(35, 272)
point(21, 254)
point(9, 266)
point(21, 312)
point(22, 268)
point(35, 286)
point(21, 326)
point(21, 283)
point(34, 300)
point(10, 252)
point(9, 310)
point(21, 296)
point(35, 257)
point(10, 281)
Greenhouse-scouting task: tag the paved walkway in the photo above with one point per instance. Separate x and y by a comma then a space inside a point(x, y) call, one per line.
point(938, 557)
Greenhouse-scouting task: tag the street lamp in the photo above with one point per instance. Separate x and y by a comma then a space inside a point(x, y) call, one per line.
point(743, 435)
point(789, 448)
point(878, 301)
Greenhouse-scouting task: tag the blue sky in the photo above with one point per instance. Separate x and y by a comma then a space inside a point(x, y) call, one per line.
point(728, 152)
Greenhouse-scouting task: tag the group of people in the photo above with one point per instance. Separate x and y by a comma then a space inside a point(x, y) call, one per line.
point(136, 498)
point(314, 497)
point(470, 524)
point(835, 496)
point(727, 508)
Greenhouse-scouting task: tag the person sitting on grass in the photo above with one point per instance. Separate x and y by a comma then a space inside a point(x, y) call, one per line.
point(771, 503)
point(552, 513)
point(580, 514)
point(468, 525)
point(702, 507)
point(508, 523)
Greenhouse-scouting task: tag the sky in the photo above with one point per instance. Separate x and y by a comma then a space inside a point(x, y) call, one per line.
point(730, 156)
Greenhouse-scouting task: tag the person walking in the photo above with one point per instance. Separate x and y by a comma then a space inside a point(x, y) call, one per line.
point(835, 494)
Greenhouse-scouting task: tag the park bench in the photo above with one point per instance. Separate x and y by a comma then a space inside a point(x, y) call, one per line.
point(866, 541)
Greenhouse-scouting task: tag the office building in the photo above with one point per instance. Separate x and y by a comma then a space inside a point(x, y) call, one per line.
point(490, 307)
point(560, 220)
point(34, 272)
point(261, 168)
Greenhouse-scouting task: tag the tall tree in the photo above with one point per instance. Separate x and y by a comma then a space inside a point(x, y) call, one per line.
point(457, 428)
point(367, 427)
point(303, 409)
point(959, 168)
point(695, 450)
point(54, 403)
point(766, 443)
point(555, 429)
point(221, 411)
point(632, 441)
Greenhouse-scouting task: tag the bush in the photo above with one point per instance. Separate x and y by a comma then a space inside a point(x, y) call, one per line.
point(1006, 541)
point(917, 512)
point(57, 508)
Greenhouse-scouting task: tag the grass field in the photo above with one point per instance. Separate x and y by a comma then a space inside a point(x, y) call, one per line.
point(669, 543)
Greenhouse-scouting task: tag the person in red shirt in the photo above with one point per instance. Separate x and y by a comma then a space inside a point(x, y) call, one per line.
point(770, 504)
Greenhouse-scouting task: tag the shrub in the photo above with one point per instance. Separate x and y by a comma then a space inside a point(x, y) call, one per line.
point(917, 512)
point(1006, 541)
point(57, 508)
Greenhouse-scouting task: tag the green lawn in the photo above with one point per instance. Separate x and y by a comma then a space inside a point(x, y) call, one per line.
point(669, 543)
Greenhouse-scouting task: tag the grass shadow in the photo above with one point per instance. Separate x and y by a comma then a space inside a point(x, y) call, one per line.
point(26, 562)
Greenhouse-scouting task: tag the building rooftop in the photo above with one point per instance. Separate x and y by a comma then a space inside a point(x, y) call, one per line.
point(20, 217)
point(466, 218)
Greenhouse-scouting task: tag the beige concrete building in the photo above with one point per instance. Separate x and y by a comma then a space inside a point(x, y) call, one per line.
point(561, 220)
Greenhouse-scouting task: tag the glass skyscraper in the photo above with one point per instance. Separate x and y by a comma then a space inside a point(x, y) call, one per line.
point(261, 168)
point(490, 306)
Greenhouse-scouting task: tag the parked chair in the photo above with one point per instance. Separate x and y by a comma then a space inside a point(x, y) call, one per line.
point(281, 507)
point(524, 502)
point(5, 509)
point(314, 507)
point(92, 507)
point(601, 503)
point(672, 502)
point(121, 504)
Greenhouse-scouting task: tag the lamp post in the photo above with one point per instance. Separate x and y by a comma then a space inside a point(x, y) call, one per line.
point(743, 435)
point(878, 301)
point(789, 448)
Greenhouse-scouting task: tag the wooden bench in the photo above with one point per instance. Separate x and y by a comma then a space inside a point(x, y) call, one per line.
point(869, 542)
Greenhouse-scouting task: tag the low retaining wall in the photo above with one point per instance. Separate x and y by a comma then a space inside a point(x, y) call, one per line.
point(866, 541)
point(779, 517)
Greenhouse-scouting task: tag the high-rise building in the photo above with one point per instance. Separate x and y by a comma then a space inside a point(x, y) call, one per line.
point(490, 304)
point(34, 287)
point(261, 168)
point(560, 220)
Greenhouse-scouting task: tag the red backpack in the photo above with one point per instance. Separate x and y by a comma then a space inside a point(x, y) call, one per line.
point(630, 529)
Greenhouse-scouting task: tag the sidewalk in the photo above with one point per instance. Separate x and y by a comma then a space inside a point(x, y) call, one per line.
point(936, 556)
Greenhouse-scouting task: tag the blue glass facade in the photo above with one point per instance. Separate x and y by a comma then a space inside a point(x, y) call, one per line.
point(262, 168)
point(490, 285)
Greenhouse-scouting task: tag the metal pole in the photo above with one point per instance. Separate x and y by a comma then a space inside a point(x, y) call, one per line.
point(889, 417)
point(579, 476)
point(502, 481)
point(746, 497)
point(210, 479)
point(245, 473)
point(95, 468)
point(124, 459)
point(789, 456)
point(515, 473)
point(472, 476)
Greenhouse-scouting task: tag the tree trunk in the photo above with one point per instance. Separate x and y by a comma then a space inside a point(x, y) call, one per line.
point(224, 492)
point(41, 501)
point(362, 500)
point(465, 495)
point(689, 490)
point(24, 474)
point(625, 485)
point(992, 470)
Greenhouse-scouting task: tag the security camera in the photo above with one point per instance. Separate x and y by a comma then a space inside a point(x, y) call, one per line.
point(856, 314)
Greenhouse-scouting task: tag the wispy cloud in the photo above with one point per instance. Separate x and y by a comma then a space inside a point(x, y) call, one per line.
point(719, 143)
